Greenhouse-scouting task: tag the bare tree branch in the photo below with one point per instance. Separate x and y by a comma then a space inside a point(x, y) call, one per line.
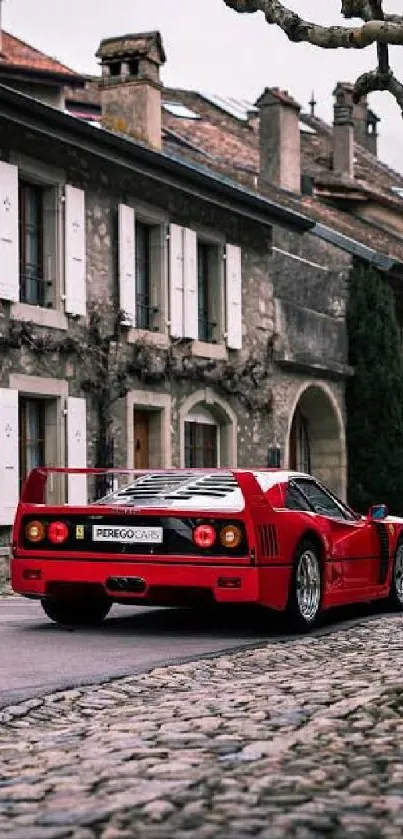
point(362, 9)
point(369, 82)
point(326, 37)
point(377, 28)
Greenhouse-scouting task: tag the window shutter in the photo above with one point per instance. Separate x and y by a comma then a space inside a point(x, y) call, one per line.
point(127, 263)
point(190, 301)
point(233, 287)
point(77, 449)
point(9, 465)
point(176, 289)
point(75, 251)
point(9, 273)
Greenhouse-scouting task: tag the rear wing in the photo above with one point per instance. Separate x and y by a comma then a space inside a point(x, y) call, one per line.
point(34, 490)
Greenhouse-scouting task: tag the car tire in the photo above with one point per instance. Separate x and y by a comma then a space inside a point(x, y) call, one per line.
point(395, 597)
point(306, 588)
point(88, 612)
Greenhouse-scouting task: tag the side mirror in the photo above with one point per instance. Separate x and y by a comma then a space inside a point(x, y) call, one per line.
point(378, 512)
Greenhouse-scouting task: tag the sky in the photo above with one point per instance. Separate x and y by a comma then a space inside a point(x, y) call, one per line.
point(213, 49)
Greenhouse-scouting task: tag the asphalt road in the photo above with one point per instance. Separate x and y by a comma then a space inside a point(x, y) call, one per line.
point(37, 657)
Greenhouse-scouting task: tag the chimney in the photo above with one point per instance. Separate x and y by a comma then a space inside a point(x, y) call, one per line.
point(365, 125)
point(343, 131)
point(279, 135)
point(131, 87)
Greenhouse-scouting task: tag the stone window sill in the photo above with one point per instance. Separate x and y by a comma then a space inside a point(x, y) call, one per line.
point(158, 339)
point(203, 349)
point(53, 318)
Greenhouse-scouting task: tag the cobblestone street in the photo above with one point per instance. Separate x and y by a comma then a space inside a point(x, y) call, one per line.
point(296, 739)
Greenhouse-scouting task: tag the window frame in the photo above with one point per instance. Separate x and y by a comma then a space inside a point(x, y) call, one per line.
point(52, 181)
point(158, 223)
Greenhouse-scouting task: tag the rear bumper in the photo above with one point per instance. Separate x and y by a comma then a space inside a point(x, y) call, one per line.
point(163, 583)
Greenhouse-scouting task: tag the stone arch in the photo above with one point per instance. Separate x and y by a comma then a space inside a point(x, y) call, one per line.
point(316, 440)
point(223, 415)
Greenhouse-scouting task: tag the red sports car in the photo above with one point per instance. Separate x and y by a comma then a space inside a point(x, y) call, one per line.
point(187, 537)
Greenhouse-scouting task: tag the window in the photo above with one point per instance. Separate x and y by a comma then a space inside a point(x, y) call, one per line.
point(37, 243)
point(115, 68)
point(32, 285)
point(201, 445)
point(143, 284)
point(148, 275)
point(31, 435)
point(294, 500)
point(300, 453)
point(322, 501)
point(208, 291)
point(133, 67)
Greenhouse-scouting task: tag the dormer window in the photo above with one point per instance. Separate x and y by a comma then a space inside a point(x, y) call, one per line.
point(115, 69)
point(133, 67)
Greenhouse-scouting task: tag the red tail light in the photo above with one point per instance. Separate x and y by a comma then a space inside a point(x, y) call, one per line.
point(204, 535)
point(58, 532)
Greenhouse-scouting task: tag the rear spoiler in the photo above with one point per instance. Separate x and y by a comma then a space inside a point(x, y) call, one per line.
point(35, 485)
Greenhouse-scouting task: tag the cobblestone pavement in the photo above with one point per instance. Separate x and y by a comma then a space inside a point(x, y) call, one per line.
point(300, 738)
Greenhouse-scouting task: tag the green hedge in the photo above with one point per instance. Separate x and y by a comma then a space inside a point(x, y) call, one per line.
point(374, 395)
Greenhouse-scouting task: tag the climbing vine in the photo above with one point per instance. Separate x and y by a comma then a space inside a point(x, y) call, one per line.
point(106, 364)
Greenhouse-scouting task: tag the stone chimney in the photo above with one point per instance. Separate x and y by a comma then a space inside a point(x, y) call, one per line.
point(131, 87)
point(343, 131)
point(279, 135)
point(365, 125)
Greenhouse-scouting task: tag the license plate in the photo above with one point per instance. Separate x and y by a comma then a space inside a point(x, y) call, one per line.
point(127, 535)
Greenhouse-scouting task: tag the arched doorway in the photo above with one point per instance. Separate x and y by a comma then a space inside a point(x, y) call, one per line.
point(316, 439)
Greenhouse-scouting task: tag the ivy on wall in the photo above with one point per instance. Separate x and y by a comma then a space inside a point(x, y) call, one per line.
point(106, 364)
point(374, 395)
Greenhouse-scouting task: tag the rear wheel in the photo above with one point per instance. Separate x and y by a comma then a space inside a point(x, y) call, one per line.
point(305, 595)
point(395, 599)
point(85, 612)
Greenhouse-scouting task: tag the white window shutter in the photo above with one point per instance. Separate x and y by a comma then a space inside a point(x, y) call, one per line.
point(127, 262)
point(233, 293)
point(75, 251)
point(9, 269)
point(9, 466)
point(176, 273)
point(190, 295)
point(77, 449)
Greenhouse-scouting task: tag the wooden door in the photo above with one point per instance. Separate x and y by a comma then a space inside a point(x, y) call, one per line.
point(141, 439)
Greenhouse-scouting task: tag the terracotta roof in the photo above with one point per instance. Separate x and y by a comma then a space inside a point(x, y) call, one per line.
point(229, 145)
point(18, 54)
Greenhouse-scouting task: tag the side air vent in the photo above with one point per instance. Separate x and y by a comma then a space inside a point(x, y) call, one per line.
point(268, 545)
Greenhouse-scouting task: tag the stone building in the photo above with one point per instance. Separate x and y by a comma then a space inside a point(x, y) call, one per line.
point(216, 238)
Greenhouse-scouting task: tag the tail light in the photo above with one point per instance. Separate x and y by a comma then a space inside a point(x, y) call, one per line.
point(58, 532)
point(231, 536)
point(35, 531)
point(204, 535)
